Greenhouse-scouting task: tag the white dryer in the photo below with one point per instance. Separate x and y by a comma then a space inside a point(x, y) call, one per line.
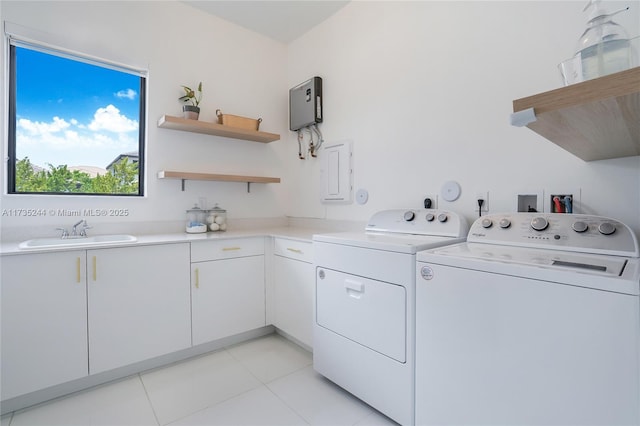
point(534, 320)
point(365, 302)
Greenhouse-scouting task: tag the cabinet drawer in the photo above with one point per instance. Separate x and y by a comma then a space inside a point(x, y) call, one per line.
point(226, 249)
point(293, 249)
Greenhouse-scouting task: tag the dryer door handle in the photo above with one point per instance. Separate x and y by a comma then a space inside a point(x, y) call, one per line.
point(353, 286)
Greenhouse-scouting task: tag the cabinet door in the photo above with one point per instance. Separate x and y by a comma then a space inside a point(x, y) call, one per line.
point(294, 298)
point(44, 321)
point(227, 297)
point(138, 304)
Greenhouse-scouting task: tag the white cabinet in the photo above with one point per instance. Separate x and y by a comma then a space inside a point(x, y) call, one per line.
point(293, 286)
point(227, 288)
point(44, 321)
point(138, 304)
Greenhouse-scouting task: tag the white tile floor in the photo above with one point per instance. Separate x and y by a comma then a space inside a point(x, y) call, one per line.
point(266, 381)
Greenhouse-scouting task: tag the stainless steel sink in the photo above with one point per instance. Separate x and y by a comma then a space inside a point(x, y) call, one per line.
point(39, 243)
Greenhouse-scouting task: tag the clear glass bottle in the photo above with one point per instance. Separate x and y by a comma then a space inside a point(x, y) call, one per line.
point(217, 219)
point(604, 46)
point(196, 220)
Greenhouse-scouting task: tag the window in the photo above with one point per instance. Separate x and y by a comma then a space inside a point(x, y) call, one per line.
point(76, 125)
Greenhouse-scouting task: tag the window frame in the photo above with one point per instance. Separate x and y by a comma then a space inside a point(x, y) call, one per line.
point(11, 162)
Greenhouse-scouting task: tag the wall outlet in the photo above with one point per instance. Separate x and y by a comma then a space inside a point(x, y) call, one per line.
point(434, 201)
point(485, 205)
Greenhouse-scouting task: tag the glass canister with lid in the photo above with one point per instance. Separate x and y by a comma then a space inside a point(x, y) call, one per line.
point(196, 223)
point(217, 219)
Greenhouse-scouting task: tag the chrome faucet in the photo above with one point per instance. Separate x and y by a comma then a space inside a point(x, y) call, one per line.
point(83, 231)
point(65, 233)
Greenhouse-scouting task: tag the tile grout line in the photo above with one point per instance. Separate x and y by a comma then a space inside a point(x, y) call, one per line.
point(10, 415)
point(148, 399)
point(224, 400)
point(287, 405)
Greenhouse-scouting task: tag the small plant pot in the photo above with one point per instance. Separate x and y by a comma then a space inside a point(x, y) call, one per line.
point(191, 112)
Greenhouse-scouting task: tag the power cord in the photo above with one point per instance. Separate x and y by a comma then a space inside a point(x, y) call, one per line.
point(480, 203)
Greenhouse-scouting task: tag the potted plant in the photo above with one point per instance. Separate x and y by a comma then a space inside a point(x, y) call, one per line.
point(192, 99)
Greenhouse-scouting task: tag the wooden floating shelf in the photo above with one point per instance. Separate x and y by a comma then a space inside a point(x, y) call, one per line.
point(215, 129)
point(594, 120)
point(165, 174)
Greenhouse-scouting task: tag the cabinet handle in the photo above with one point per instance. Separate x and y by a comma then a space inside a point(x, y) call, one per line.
point(197, 271)
point(78, 269)
point(95, 268)
point(231, 248)
point(295, 250)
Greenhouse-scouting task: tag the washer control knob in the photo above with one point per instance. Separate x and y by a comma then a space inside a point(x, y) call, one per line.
point(607, 228)
point(442, 217)
point(580, 226)
point(486, 223)
point(430, 217)
point(409, 216)
point(505, 223)
point(539, 223)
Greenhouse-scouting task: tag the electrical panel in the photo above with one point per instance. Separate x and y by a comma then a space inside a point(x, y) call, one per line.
point(305, 104)
point(336, 173)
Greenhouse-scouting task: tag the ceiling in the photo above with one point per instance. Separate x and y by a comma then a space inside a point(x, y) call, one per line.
point(281, 20)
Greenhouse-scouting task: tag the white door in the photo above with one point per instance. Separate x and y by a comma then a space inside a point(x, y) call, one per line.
point(228, 297)
point(139, 304)
point(44, 321)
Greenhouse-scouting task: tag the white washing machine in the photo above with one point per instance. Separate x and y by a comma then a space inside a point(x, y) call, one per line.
point(534, 320)
point(365, 304)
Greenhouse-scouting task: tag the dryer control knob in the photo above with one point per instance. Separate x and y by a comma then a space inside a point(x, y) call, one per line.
point(607, 228)
point(580, 226)
point(430, 217)
point(409, 216)
point(486, 223)
point(539, 223)
point(505, 223)
point(442, 217)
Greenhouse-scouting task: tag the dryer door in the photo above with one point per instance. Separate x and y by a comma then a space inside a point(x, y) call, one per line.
point(369, 312)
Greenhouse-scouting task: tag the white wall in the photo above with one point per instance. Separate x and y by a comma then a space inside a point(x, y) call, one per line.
point(242, 72)
point(425, 90)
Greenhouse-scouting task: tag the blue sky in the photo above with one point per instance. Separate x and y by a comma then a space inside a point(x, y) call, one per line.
point(73, 113)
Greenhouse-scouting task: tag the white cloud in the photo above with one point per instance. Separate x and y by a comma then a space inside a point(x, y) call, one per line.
point(69, 142)
point(128, 94)
point(38, 128)
point(110, 119)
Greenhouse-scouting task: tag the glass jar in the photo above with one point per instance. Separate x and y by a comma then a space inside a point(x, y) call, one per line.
point(217, 219)
point(196, 220)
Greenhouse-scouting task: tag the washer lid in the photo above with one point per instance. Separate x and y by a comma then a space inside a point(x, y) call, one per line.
point(585, 263)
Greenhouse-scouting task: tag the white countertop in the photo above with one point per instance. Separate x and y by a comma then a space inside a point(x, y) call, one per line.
point(294, 233)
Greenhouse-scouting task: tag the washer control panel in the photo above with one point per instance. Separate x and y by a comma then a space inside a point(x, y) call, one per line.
point(419, 222)
point(571, 232)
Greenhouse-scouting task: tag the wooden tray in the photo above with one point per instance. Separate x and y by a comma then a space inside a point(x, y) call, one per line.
point(238, 121)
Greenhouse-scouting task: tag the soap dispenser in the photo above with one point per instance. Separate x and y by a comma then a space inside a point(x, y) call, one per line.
point(604, 46)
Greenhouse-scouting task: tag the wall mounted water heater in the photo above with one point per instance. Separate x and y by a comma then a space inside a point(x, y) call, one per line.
point(305, 104)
